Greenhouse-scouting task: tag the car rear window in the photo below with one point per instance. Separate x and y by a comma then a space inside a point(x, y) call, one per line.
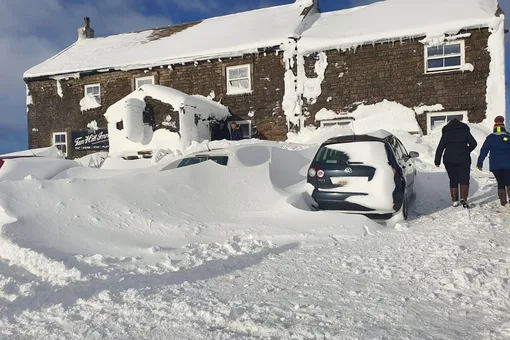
point(350, 153)
point(221, 160)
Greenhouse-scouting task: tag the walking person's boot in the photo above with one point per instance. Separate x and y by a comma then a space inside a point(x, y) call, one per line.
point(464, 193)
point(454, 193)
point(502, 196)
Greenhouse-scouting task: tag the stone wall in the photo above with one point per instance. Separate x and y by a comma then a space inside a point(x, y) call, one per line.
point(396, 72)
point(51, 113)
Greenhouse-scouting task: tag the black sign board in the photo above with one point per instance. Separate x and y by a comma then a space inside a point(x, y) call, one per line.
point(90, 140)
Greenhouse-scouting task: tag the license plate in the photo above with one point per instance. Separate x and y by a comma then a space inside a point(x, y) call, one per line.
point(341, 183)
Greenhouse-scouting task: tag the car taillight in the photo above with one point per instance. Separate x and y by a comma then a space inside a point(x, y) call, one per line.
point(312, 172)
point(320, 173)
point(1, 162)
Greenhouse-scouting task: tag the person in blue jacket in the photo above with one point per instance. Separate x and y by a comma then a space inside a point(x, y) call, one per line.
point(497, 145)
point(236, 133)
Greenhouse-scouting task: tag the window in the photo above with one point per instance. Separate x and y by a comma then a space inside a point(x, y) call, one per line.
point(93, 90)
point(244, 125)
point(436, 120)
point(239, 79)
point(60, 141)
point(144, 81)
point(333, 122)
point(444, 57)
point(399, 150)
point(221, 160)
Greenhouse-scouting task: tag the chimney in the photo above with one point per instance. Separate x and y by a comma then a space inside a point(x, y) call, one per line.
point(85, 32)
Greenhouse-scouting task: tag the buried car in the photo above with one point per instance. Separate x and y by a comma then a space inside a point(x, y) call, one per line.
point(370, 174)
point(15, 168)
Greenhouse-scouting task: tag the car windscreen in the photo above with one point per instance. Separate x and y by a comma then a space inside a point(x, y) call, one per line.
point(221, 160)
point(351, 153)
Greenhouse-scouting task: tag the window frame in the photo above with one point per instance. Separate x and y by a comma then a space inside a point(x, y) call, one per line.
point(234, 91)
point(60, 143)
point(430, 115)
point(336, 121)
point(152, 77)
point(98, 98)
point(241, 122)
point(434, 70)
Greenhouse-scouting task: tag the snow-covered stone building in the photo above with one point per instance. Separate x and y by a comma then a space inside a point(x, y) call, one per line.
point(285, 67)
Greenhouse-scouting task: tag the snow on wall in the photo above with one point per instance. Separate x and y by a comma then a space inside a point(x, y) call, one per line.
point(496, 91)
point(467, 67)
point(89, 102)
point(291, 103)
point(93, 126)
point(29, 99)
point(59, 89)
point(421, 109)
point(311, 88)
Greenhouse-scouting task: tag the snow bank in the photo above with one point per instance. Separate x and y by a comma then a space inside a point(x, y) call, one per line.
point(136, 211)
point(34, 167)
point(395, 20)
point(194, 114)
point(385, 115)
point(51, 152)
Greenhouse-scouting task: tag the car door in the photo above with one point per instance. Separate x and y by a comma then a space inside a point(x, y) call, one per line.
point(410, 169)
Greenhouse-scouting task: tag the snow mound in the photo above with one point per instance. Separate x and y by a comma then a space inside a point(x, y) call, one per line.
point(149, 208)
point(367, 118)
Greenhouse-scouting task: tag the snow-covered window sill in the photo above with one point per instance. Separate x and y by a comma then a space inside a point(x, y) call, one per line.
point(239, 93)
point(457, 70)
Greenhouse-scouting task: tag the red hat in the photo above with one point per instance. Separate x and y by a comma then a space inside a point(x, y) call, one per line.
point(499, 119)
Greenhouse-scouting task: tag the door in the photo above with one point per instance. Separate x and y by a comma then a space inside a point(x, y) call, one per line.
point(410, 168)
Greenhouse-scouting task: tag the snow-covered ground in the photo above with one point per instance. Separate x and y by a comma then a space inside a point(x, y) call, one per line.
point(213, 252)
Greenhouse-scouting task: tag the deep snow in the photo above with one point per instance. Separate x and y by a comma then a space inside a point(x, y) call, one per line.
point(212, 252)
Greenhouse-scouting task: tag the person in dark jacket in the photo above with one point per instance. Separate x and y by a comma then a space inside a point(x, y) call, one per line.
point(236, 133)
point(456, 144)
point(498, 145)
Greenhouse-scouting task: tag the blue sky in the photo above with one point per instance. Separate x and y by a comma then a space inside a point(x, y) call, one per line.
point(34, 30)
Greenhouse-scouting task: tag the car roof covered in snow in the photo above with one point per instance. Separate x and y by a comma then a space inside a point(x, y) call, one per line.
point(392, 20)
point(219, 37)
point(377, 136)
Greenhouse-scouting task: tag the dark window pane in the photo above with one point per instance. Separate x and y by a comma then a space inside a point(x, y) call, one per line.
point(435, 51)
point(437, 122)
point(453, 61)
point(435, 63)
point(452, 49)
point(245, 128)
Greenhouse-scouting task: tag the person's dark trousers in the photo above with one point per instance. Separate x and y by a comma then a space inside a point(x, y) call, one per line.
point(459, 175)
point(503, 179)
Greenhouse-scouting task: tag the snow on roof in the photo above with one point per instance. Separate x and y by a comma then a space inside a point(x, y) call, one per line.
point(226, 36)
point(393, 20)
point(170, 96)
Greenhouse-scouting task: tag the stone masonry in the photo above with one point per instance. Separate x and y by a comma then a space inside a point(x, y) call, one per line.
point(396, 72)
point(50, 113)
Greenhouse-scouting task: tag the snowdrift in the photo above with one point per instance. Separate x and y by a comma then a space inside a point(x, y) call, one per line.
point(128, 215)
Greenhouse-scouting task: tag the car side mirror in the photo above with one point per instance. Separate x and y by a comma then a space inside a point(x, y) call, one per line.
point(414, 154)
